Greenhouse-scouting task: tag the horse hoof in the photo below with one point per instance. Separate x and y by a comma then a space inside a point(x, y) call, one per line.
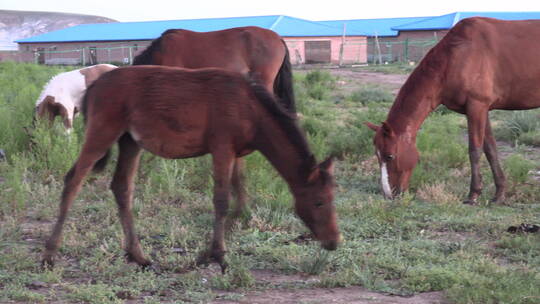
point(498, 200)
point(207, 257)
point(144, 263)
point(223, 266)
point(470, 202)
point(47, 263)
point(203, 259)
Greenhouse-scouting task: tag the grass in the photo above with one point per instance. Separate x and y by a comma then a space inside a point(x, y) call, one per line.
point(425, 241)
point(520, 127)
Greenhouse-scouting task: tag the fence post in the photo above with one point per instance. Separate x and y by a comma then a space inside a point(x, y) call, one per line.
point(83, 56)
point(130, 55)
point(342, 45)
point(378, 48)
point(406, 47)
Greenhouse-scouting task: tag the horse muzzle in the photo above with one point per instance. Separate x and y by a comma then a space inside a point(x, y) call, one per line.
point(332, 244)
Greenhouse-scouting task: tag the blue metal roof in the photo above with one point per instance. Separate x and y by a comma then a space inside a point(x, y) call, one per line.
point(148, 30)
point(374, 27)
point(449, 20)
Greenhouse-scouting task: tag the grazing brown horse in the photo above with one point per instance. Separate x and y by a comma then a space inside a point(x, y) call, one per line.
point(181, 113)
point(482, 64)
point(251, 50)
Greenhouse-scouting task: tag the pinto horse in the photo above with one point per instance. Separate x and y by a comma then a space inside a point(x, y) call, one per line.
point(251, 50)
point(482, 64)
point(181, 113)
point(62, 95)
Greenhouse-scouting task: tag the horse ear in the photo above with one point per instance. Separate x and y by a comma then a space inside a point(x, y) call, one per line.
point(46, 108)
point(372, 126)
point(328, 165)
point(387, 130)
point(313, 175)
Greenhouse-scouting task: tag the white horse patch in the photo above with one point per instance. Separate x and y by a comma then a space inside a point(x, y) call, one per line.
point(384, 178)
point(63, 94)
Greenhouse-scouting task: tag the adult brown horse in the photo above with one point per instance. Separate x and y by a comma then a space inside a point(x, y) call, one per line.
point(181, 113)
point(250, 50)
point(482, 64)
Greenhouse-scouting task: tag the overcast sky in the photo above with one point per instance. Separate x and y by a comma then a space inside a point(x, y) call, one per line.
point(122, 10)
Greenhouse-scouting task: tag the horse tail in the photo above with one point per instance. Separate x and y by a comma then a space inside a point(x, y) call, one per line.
point(283, 84)
point(102, 162)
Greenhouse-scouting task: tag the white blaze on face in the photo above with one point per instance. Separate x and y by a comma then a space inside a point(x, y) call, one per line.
point(384, 178)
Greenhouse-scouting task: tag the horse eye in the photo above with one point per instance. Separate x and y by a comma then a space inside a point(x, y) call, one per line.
point(390, 157)
point(319, 204)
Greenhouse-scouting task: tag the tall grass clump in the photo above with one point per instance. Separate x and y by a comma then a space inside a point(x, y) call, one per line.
point(21, 85)
point(520, 127)
point(371, 93)
point(319, 84)
point(441, 146)
point(517, 168)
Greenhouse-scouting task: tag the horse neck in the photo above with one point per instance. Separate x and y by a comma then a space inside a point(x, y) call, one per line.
point(289, 157)
point(418, 97)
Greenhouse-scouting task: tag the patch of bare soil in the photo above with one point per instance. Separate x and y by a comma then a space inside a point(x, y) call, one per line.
point(352, 295)
point(395, 81)
point(352, 78)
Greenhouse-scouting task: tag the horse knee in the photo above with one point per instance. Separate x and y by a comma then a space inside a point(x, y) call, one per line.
point(221, 206)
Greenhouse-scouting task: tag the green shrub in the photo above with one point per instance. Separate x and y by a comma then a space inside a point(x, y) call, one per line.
point(441, 146)
point(370, 93)
point(318, 84)
point(518, 124)
point(517, 168)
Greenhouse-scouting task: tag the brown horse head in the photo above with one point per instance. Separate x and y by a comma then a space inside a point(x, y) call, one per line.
point(397, 157)
point(314, 203)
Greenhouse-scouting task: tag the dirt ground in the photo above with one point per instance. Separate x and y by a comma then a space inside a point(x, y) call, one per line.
point(352, 78)
point(351, 295)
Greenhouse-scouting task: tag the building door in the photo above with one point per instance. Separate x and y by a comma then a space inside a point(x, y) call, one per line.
point(41, 55)
point(318, 51)
point(93, 55)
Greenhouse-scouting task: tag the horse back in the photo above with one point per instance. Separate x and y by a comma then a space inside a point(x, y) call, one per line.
point(491, 60)
point(172, 112)
point(241, 49)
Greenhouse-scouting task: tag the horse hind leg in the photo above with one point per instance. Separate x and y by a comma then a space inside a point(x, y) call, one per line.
point(122, 186)
point(90, 154)
point(490, 149)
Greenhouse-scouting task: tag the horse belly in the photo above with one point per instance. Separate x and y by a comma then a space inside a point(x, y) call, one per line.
point(167, 144)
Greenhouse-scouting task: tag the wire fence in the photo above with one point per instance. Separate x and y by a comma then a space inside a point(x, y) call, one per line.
point(345, 52)
point(87, 55)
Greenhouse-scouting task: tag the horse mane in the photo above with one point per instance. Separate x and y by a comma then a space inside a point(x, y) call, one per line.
point(286, 120)
point(145, 57)
point(430, 73)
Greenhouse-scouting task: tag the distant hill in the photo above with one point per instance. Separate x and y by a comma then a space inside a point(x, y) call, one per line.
point(16, 25)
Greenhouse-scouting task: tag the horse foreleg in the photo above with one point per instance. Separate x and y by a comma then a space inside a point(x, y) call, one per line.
point(72, 185)
point(490, 149)
point(476, 122)
point(239, 191)
point(223, 167)
point(122, 186)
